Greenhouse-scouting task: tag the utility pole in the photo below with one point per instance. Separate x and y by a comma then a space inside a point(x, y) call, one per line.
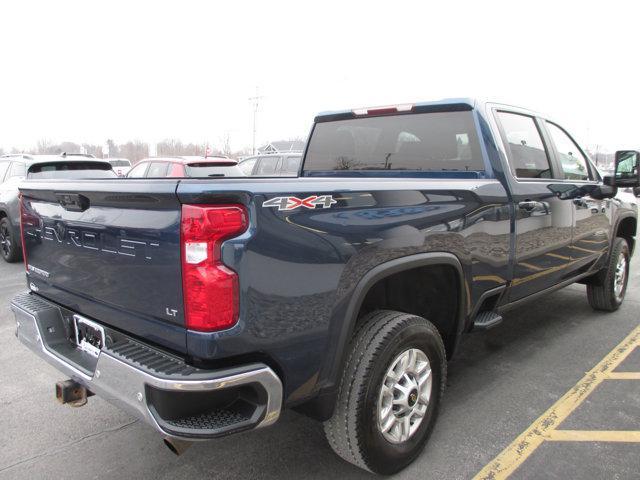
point(255, 101)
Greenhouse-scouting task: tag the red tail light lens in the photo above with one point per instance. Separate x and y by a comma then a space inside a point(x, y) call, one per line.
point(210, 289)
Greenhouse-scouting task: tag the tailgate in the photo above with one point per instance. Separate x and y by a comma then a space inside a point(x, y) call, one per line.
point(109, 250)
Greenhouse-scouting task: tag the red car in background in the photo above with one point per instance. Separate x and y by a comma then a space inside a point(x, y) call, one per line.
point(186, 166)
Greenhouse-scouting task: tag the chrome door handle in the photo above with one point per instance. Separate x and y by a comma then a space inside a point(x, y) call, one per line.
point(528, 205)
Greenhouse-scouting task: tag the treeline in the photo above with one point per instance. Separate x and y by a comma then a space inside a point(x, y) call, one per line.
point(133, 150)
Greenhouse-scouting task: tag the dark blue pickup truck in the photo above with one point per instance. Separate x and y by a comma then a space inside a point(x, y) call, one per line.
point(206, 306)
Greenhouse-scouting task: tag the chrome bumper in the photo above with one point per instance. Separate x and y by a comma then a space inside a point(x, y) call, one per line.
point(127, 386)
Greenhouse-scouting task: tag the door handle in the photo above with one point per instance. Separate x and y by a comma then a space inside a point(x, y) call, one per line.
point(528, 205)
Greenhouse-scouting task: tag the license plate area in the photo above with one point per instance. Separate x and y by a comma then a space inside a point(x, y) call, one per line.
point(89, 335)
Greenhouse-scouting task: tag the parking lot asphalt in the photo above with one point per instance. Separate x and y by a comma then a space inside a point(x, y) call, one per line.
point(499, 384)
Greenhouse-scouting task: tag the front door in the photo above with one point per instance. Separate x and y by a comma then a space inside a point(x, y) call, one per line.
point(592, 216)
point(543, 219)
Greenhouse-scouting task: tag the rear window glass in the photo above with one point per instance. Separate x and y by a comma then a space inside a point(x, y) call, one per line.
point(442, 141)
point(209, 170)
point(120, 163)
point(71, 170)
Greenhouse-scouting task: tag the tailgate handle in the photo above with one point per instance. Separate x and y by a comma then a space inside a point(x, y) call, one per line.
point(73, 202)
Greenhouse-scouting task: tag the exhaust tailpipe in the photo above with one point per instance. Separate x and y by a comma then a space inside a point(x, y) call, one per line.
point(176, 446)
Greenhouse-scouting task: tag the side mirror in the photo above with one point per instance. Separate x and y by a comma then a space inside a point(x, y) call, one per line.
point(627, 170)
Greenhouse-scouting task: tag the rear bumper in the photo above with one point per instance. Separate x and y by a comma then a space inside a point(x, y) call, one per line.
point(178, 400)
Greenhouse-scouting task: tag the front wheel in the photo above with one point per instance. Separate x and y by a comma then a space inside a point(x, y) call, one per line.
point(9, 249)
point(390, 392)
point(608, 292)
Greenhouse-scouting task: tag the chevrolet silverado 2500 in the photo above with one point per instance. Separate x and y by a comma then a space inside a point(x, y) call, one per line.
point(206, 306)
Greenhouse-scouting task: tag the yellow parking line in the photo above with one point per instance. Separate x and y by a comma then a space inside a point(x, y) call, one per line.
point(489, 278)
point(584, 249)
point(533, 276)
point(624, 376)
point(526, 443)
point(555, 255)
point(595, 241)
point(630, 436)
point(532, 267)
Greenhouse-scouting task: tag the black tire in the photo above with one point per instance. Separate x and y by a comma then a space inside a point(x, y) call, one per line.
point(601, 292)
point(353, 430)
point(9, 246)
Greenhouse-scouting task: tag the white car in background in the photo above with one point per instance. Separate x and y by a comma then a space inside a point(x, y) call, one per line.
point(120, 165)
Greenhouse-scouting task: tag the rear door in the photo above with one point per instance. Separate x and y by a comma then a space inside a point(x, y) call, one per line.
point(109, 250)
point(591, 224)
point(543, 221)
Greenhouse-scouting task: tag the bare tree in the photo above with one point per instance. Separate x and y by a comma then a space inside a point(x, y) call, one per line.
point(134, 150)
point(95, 150)
point(225, 141)
point(44, 146)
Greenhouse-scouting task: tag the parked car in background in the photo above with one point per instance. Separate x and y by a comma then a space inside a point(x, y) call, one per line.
point(272, 165)
point(186, 166)
point(17, 167)
point(121, 166)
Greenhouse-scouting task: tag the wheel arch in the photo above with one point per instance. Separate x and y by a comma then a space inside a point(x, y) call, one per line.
point(626, 228)
point(346, 318)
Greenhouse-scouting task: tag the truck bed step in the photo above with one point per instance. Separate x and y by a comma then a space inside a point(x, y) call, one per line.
point(486, 320)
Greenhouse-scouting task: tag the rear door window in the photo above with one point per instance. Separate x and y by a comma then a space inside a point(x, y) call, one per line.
point(268, 166)
point(430, 142)
point(528, 156)
point(290, 165)
point(158, 169)
point(4, 166)
point(17, 169)
point(247, 165)
point(138, 171)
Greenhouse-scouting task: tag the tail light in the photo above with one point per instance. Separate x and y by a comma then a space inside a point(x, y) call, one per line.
point(210, 288)
point(390, 109)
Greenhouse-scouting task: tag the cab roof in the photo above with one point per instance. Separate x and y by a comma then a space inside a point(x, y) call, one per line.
point(443, 105)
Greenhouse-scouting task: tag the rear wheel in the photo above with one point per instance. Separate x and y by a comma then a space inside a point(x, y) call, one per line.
point(390, 392)
point(609, 289)
point(9, 249)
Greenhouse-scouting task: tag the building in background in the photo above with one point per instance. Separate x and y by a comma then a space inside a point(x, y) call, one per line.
point(282, 146)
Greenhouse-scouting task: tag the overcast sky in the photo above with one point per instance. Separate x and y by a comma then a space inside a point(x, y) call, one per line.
point(86, 71)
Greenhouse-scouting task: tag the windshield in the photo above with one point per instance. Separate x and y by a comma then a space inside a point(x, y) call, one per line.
point(74, 170)
point(442, 141)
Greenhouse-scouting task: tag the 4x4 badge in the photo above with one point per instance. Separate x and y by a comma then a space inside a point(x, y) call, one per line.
point(291, 203)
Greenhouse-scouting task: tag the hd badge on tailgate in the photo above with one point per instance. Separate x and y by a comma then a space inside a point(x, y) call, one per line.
point(291, 203)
